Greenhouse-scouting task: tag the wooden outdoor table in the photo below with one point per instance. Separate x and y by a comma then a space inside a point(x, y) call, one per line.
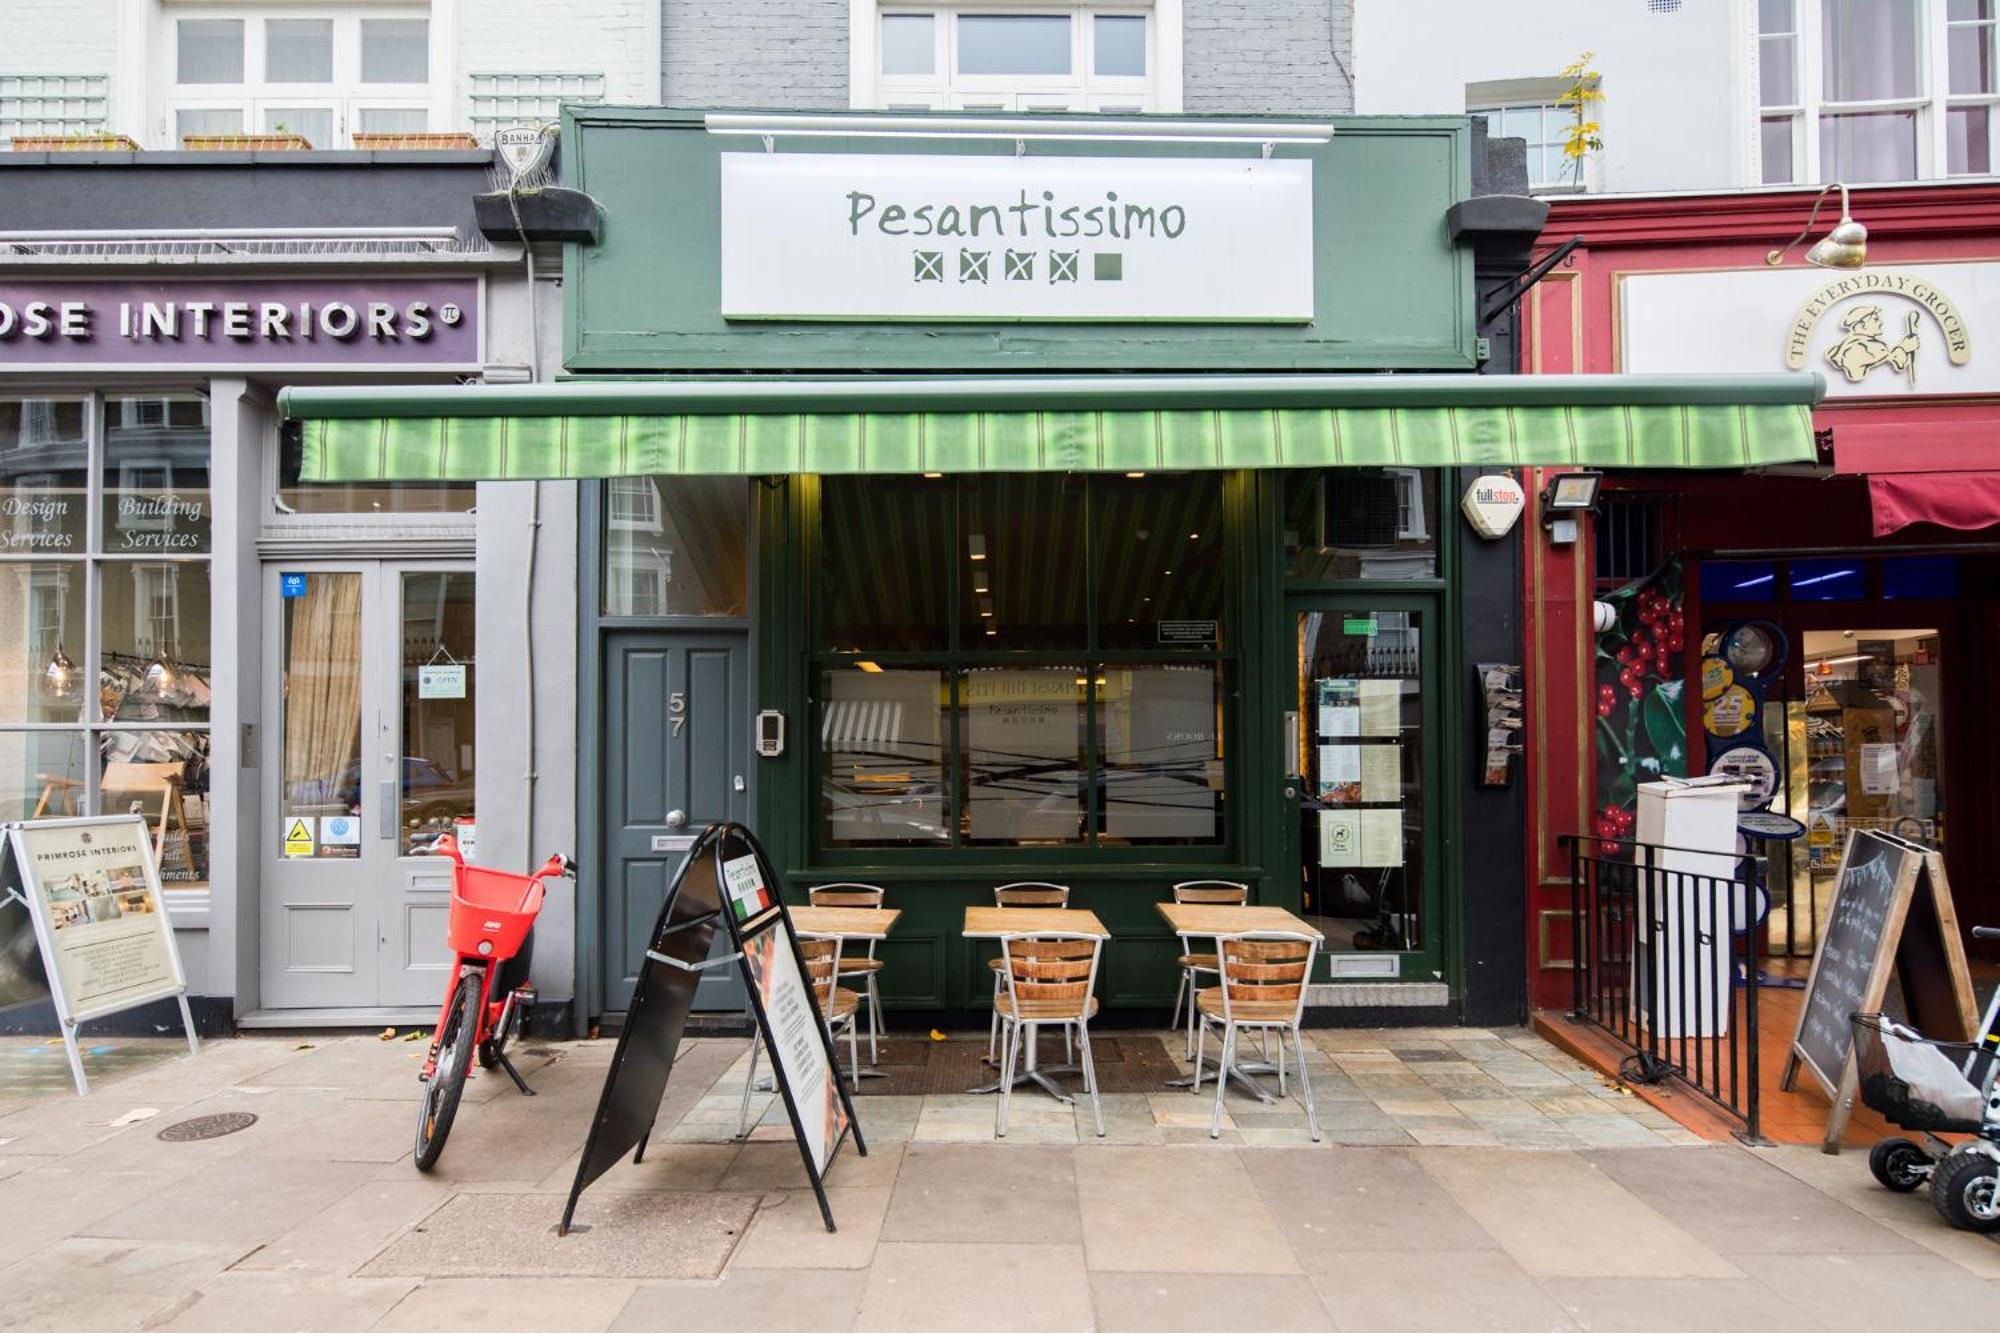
point(1218, 919)
point(990, 923)
point(849, 923)
point(853, 923)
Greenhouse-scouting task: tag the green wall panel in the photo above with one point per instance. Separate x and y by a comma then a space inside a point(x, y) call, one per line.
point(1390, 290)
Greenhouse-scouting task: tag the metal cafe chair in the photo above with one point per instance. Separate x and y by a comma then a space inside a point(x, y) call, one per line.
point(836, 1002)
point(1050, 976)
point(1021, 893)
point(866, 964)
point(1263, 987)
point(1222, 893)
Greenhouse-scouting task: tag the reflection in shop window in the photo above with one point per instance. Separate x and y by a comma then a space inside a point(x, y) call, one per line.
point(161, 776)
point(436, 782)
point(321, 689)
point(676, 546)
point(1024, 754)
point(1362, 523)
point(882, 757)
point(1160, 746)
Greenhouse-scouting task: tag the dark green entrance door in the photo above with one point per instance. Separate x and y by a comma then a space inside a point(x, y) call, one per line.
point(676, 752)
point(1363, 762)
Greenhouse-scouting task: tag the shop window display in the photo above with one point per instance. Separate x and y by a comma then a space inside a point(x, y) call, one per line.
point(141, 462)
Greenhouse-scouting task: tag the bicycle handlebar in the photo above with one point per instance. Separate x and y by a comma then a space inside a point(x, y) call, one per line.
point(1986, 932)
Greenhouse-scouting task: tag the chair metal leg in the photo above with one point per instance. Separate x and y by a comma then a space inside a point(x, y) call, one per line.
point(874, 1021)
point(1194, 1019)
point(1222, 1079)
point(1069, 1050)
point(743, 1112)
point(1180, 989)
point(993, 1029)
point(1305, 1080)
point(1011, 1045)
point(1200, 1050)
point(1281, 1064)
point(854, 1046)
point(1090, 1076)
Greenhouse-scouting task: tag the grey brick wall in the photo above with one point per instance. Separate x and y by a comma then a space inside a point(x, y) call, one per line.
point(755, 53)
point(1268, 56)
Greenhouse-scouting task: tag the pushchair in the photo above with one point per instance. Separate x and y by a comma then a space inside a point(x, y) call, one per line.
point(1936, 1087)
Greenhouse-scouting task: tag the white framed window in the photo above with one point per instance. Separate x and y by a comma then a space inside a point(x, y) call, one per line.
point(1543, 124)
point(156, 608)
point(1014, 55)
point(1876, 90)
point(633, 503)
point(323, 73)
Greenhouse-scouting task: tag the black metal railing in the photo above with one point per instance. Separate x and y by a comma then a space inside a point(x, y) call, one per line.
point(1666, 962)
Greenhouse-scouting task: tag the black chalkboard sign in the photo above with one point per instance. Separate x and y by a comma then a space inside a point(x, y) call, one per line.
point(1892, 913)
point(1848, 975)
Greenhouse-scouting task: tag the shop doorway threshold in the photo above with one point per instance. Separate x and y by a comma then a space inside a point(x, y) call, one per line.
point(390, 1016)
point(1378, 995)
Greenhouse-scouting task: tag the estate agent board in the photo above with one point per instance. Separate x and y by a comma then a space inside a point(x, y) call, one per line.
point(92, 889)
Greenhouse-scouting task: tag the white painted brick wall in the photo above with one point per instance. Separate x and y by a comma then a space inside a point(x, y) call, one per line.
point(790, 54)
point(61, 37)
point(1267, 56)
point(614, 38)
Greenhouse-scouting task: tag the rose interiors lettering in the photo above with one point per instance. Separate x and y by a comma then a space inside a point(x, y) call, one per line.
point(240, 321)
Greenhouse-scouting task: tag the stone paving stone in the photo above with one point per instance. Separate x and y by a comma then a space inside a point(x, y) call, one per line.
point(1436, 1292)
point(259, 1302)
point(1560, 1216)
point(668, 1166)
point(1359, 1199)
point(1675, 1305)
point(347, 1233)
point(571, 1304)
point(962, 1193)
point(1206, 1302)
point(1769, 1212)
point(84, 1284)
point(630, 1235)
point(240, 1200)
point(1176, 1211)
point(777, 1166)
point(789, 1232)
point(1908, 1291)
point(944, 1288)
point(764, 1300)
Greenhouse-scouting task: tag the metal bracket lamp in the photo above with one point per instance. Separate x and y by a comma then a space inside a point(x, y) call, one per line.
point(1846, 246)
point(1565, 498)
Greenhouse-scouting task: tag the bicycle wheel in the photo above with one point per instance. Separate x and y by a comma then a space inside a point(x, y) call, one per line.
point(447, 1082)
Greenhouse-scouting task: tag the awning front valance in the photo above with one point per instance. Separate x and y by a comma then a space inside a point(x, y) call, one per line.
point(1093, 424)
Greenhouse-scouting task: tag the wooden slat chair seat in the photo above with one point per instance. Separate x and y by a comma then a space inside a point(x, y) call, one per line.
point(864, 966)
point(1193, 962)
point(1021, 893)
point(1050, 977)
point(1264, 976)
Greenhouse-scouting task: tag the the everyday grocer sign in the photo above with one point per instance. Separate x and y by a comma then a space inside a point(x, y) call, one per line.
point(903, 237)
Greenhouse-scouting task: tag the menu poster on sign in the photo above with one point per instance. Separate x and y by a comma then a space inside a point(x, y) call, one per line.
point(93, 892)
point(795, 1041)
point(1340, 838)
point(1381, 707)
point(1381, 772)
point(1382, 837)
point(1339, 777)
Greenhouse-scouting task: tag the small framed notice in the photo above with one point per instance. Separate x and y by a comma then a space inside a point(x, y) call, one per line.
point(92, 889)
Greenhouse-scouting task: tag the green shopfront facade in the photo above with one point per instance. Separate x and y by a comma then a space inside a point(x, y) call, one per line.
point(1154, 580)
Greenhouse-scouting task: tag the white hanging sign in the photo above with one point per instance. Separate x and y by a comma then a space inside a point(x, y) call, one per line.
point(443, 681)
point(840, 236)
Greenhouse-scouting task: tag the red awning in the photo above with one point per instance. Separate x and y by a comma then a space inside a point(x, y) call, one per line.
point(1948, 499)
point(1933, 468)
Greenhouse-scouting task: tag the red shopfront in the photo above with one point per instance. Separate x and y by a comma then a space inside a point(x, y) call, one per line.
point(1860, 592)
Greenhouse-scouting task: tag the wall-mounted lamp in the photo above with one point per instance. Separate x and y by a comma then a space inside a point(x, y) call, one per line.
point(1566, 497)
point(1846, 246)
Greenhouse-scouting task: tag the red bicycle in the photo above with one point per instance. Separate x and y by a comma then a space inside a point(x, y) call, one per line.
point(492, 915)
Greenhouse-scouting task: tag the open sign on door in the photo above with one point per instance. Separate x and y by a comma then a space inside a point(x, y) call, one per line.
point(445, 681)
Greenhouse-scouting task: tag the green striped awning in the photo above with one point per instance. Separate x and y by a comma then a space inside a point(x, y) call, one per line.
point(1101, 425)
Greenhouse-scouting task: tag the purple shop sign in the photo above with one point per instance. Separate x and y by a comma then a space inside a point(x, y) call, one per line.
point(252, 322)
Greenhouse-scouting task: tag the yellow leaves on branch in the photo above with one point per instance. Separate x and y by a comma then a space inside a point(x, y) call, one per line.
point(1581, 135)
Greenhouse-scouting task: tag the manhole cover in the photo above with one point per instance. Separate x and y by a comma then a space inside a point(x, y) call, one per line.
point(208, 1127)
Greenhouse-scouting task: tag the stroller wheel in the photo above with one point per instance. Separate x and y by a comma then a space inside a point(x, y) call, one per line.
point(1899, 1164)
point(1966, 1190)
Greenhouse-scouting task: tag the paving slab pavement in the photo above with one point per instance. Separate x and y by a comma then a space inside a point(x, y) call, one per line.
point(1467, 1180)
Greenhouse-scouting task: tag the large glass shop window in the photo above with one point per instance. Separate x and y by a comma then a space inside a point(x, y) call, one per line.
point(676, 546)
point(1015, 661)
point(104, 648)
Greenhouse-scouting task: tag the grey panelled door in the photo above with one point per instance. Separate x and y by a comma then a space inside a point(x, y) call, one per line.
point(676, 756)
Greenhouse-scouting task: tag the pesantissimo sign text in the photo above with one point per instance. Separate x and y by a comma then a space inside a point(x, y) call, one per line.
point(934, 238)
